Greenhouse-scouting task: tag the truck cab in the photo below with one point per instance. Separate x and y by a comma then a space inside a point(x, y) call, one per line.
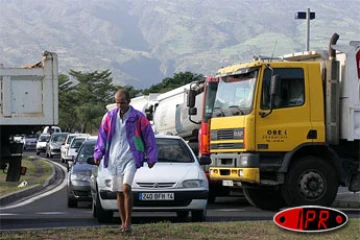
point(289, 130)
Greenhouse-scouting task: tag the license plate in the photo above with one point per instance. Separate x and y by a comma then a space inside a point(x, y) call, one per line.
point(228, 183)
point(156, 196)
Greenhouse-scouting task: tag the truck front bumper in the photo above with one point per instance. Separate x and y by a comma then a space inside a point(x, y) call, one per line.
point(243, 167)
point(250, 175)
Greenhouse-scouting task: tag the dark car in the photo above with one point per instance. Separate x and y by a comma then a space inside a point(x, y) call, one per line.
point(80, 173)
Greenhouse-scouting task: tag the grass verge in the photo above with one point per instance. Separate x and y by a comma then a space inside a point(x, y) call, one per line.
point(193, 231)
point(37, 172)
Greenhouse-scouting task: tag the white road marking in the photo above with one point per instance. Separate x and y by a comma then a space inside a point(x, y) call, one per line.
point(30, 200)
point(8, 214)
point(51, 213)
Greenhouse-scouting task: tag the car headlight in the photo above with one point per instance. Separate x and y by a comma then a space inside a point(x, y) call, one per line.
point(80, 176)
point(192, 184)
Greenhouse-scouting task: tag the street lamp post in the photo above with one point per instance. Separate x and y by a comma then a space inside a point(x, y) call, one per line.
point(308, 16)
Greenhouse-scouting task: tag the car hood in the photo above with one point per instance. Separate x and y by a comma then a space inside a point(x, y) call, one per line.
point(167, 172)
point(56, 144)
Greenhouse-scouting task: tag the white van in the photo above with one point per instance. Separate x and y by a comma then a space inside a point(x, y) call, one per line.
point(55, 129)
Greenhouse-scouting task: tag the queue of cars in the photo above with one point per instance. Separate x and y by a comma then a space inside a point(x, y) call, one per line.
point(177, 183)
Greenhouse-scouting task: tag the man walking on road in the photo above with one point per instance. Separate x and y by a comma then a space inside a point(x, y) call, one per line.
point(125, 137)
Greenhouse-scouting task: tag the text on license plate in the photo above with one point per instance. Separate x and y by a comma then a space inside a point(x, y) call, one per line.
point(156, 196)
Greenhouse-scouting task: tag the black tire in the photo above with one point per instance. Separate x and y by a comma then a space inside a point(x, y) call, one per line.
point(265, 199)
point(198, 216)
point(72, 203)
point(50, 156)
point(102, 215)
point(182, 215)
point(93, 209)
point(211, 197)
point(38, 153)
point(310, 181)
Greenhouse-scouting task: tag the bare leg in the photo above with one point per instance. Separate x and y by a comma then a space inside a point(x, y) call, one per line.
point(121, 207)
point(128, 204)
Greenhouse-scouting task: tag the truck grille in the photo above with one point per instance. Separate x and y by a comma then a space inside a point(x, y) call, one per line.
point(227, 146)
point(225, 134)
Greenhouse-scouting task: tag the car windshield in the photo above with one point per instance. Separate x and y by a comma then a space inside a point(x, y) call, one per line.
point(69, 139)
point(44, 138)
point(173, 150)
point(235, 95)
point(86, 151)
point(58, 138)
point(76, 143)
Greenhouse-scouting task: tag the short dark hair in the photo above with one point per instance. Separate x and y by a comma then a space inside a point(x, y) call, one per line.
point(123, 91)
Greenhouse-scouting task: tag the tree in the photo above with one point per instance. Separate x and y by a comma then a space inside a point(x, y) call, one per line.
point(167, 84)
point(68, 119)
point(93, 92)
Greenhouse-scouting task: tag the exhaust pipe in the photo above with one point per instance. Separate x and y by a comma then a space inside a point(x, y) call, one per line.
point(332, 52)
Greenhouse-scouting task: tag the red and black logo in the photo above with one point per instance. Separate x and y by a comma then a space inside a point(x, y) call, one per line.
point(310, 219)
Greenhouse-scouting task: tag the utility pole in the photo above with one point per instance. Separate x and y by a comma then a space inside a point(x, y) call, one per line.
point(307, 16)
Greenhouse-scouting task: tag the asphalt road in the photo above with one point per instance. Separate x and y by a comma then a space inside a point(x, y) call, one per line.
point(49, 210)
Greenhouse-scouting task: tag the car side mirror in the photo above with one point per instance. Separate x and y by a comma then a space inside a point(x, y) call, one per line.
point(90, 161)
point(205, 160)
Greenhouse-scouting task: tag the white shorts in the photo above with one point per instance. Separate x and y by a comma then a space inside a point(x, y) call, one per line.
point(119, 180)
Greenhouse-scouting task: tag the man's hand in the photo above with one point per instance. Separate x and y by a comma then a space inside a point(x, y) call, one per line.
point(96, 161)
point(150, 165)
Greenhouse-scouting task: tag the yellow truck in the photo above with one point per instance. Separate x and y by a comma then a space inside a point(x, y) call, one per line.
point(288, 129)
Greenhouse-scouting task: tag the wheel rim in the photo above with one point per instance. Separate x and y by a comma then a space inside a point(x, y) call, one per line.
point(312, 184)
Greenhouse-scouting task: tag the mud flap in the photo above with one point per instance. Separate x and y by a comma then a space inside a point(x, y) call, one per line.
point(354, 185)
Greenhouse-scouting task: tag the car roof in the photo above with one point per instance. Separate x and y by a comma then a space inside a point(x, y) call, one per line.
point(167, 136)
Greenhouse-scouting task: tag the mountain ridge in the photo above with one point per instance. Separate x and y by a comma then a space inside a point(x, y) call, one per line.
point(144, 41)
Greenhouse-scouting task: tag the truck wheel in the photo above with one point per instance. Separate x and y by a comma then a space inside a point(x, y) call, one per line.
point(211, 197)
point(265, 199)
point(102, 215)
point(310, 181)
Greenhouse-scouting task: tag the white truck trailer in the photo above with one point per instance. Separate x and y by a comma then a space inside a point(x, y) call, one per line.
point(29, 101)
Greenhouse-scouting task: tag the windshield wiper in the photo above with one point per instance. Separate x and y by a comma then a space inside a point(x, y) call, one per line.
point(221, 113)
point(238, 110)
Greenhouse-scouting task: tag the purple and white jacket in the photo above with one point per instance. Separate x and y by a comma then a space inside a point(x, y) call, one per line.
point(139, 135)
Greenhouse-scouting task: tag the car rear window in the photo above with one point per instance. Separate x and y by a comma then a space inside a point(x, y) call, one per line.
point(86, 151)
point(76, 143)
point(173, 150)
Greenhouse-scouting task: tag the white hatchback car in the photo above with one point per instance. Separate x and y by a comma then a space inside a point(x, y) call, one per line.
point(65, 146)
point(176, 183)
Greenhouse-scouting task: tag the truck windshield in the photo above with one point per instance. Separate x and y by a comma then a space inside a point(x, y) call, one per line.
point(235, 94)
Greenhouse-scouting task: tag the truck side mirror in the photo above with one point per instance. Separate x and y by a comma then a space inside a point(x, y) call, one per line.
point(191, 98)
point(275, 88)
point(192, 111)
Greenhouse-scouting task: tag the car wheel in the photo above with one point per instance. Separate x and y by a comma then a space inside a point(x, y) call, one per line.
point(198, 216)
point(182, 215)
point(72, 203)
point(62, 160)
point(93, 209)
point(102, 215)
point(38, 153)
